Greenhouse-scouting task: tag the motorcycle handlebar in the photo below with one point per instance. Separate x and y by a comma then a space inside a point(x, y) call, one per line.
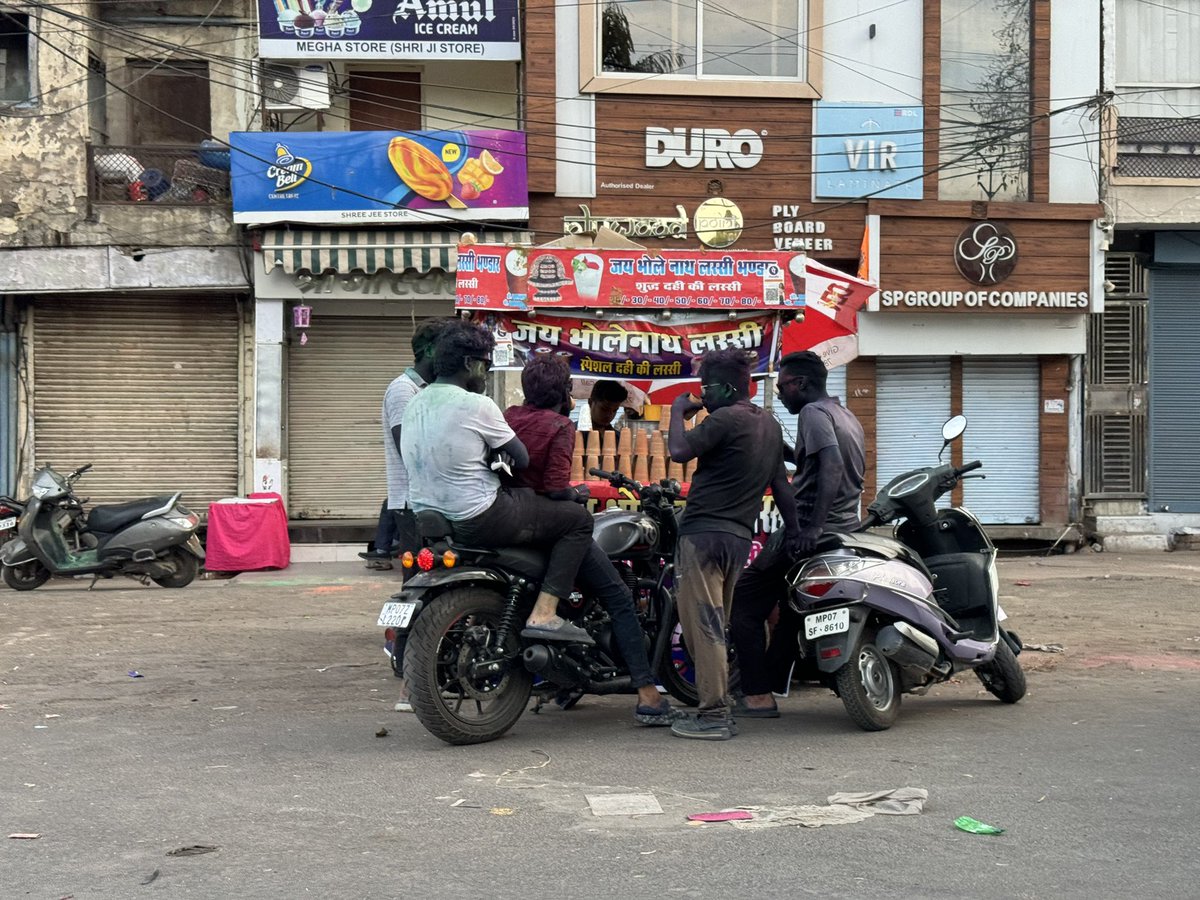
point(79, 471)
point(616, 479)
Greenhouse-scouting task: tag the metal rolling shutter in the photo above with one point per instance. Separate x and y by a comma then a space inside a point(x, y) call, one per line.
point(146, 390)
point(1001, 403)
point(335, 394)
point(912, 400)
point(1174, 362)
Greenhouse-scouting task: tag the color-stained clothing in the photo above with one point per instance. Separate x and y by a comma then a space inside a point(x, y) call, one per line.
point(549, 437)
point(826, 423)
point(395, 400)
point(447, 438)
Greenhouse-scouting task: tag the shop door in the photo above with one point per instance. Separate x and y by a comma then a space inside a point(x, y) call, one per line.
point(912, 400)
point(145, 390)
point(1174, 362)
point(1001, 403)
point(335, 394)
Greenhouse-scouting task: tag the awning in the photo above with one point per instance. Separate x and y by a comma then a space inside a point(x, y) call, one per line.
point(349, 250)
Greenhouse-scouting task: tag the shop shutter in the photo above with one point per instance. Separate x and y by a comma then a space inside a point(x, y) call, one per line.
point(1001, 403)
point(1174, 362)
point(912, 400)
point(146, 390)
point(335, 393)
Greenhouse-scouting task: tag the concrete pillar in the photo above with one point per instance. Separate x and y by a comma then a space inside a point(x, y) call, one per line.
point(270, 454)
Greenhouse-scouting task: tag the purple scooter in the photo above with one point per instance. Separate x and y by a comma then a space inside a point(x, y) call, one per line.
point(883, 617)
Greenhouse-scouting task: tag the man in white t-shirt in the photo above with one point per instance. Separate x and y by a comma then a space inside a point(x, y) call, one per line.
point(451, 434)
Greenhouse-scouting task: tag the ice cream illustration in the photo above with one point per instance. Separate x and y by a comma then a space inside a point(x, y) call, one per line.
point(587, 269)
point(335, 25)
point(351, 20)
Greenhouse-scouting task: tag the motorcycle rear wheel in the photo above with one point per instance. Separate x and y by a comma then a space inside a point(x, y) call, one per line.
point(677, 673)
point(453, 705)
point(1003, 676)
point(869, 685)
point(187, 567)
point(26, 576)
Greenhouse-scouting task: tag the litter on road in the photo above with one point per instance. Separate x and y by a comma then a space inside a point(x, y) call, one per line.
point(974, 826)
point(624, 805)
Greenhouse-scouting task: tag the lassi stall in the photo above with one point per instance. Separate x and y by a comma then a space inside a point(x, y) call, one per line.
point(615, 310)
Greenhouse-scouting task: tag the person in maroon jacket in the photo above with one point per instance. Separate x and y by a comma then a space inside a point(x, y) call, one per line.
point(543, 427)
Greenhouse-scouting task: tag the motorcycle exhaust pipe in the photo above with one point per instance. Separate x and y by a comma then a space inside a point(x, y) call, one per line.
point(539, 659)
point(907, 647)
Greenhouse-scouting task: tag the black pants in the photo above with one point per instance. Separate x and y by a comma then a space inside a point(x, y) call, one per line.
point(598, 577)
point(519, 517)
point(760, 588)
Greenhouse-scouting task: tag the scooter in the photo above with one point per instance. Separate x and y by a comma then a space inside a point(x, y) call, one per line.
point(887, 616)
point(152, 539)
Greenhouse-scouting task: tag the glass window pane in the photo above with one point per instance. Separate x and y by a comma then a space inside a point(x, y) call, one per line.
point(14, 58)
point(655, 36)
point(751, 38)
point(985, 100)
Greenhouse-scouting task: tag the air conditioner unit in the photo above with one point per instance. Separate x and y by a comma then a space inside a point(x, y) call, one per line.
point(295, 87)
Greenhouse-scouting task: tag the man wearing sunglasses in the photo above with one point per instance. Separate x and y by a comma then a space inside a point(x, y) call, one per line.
point(827, 486)
point(739, 453)
point(452, 434)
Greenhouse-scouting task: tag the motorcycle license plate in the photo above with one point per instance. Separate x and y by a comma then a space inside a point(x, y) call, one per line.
point(823, 624)
point(6, 524)
point(396, 615)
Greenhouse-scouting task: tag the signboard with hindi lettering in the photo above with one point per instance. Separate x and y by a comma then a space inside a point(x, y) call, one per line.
point(634, 347)
point(492, 276)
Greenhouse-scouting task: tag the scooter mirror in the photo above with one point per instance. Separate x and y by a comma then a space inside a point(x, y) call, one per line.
point(954, 428)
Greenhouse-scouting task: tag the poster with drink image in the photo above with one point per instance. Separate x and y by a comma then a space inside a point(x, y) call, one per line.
point(389, 29)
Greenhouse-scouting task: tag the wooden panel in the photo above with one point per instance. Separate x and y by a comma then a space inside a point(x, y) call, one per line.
point(539, 89)
point(967, 209)
point(783, 176)
point(1039, 161)
point(1055, 459)
point(860, 400)
point(385, 101)
point(931, 93)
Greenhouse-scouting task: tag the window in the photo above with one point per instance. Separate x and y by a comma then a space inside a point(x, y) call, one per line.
point(385, 101)
point(168, 102)
point(748, 47)
point(17, 82)
point(986, 100)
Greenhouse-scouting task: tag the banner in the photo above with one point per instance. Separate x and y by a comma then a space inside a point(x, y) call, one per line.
point(493, 276)
point(370, 177)
point(388, 29)
point(636, 347)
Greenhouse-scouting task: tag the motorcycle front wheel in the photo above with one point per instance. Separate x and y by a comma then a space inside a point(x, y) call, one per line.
point(869, 685)
point(454, 631)
point(1003, 676)
point(26, 576)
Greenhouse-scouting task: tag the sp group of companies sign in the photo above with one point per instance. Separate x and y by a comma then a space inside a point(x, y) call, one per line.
point(389, 29)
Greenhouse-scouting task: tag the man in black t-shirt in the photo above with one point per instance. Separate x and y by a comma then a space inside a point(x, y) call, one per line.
point(739, 449)
point(827, 486)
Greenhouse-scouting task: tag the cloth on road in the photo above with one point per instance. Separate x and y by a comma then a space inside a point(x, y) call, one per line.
point(804, 816)
point(905, 801)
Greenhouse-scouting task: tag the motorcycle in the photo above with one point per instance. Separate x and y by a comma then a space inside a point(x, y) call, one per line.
point(10, 513)
point(469, 671)
point(152, 539)
point(882, 617)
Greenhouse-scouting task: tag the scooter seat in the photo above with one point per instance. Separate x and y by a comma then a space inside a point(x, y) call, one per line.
point(107, 519)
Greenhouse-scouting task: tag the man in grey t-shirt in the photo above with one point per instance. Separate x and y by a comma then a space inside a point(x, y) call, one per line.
point(829, 459)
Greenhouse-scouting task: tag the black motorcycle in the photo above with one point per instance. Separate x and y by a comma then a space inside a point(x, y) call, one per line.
point(469, 671)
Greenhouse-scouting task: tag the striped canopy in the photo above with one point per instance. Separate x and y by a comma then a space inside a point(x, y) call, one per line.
point(370, 251)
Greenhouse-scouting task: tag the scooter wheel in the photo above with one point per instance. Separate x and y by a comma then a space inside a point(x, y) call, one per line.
point(26, 576)
point(1003, 676)
point(185, 566)
point(869, 685)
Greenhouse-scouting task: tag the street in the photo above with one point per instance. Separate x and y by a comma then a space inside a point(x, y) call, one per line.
point(255, 716)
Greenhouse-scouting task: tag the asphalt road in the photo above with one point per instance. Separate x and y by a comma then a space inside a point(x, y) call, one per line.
point(253, 730)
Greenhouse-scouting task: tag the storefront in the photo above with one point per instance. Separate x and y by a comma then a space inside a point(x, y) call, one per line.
point(981, 311)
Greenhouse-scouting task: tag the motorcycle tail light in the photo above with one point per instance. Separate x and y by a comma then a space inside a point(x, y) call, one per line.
point(389, 634)
point(407, 560)
point(425, 559)
point(817, 588)
point(449, 559)
point(831, 652)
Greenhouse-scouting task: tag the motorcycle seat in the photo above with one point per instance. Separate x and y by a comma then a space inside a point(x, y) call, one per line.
point(526, 561)
point(106, 519)
point(433, 525)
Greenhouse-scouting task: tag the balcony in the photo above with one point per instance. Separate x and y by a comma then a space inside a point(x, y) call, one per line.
point(162, 175)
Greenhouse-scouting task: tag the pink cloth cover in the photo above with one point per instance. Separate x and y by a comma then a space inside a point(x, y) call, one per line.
point(243, 537)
